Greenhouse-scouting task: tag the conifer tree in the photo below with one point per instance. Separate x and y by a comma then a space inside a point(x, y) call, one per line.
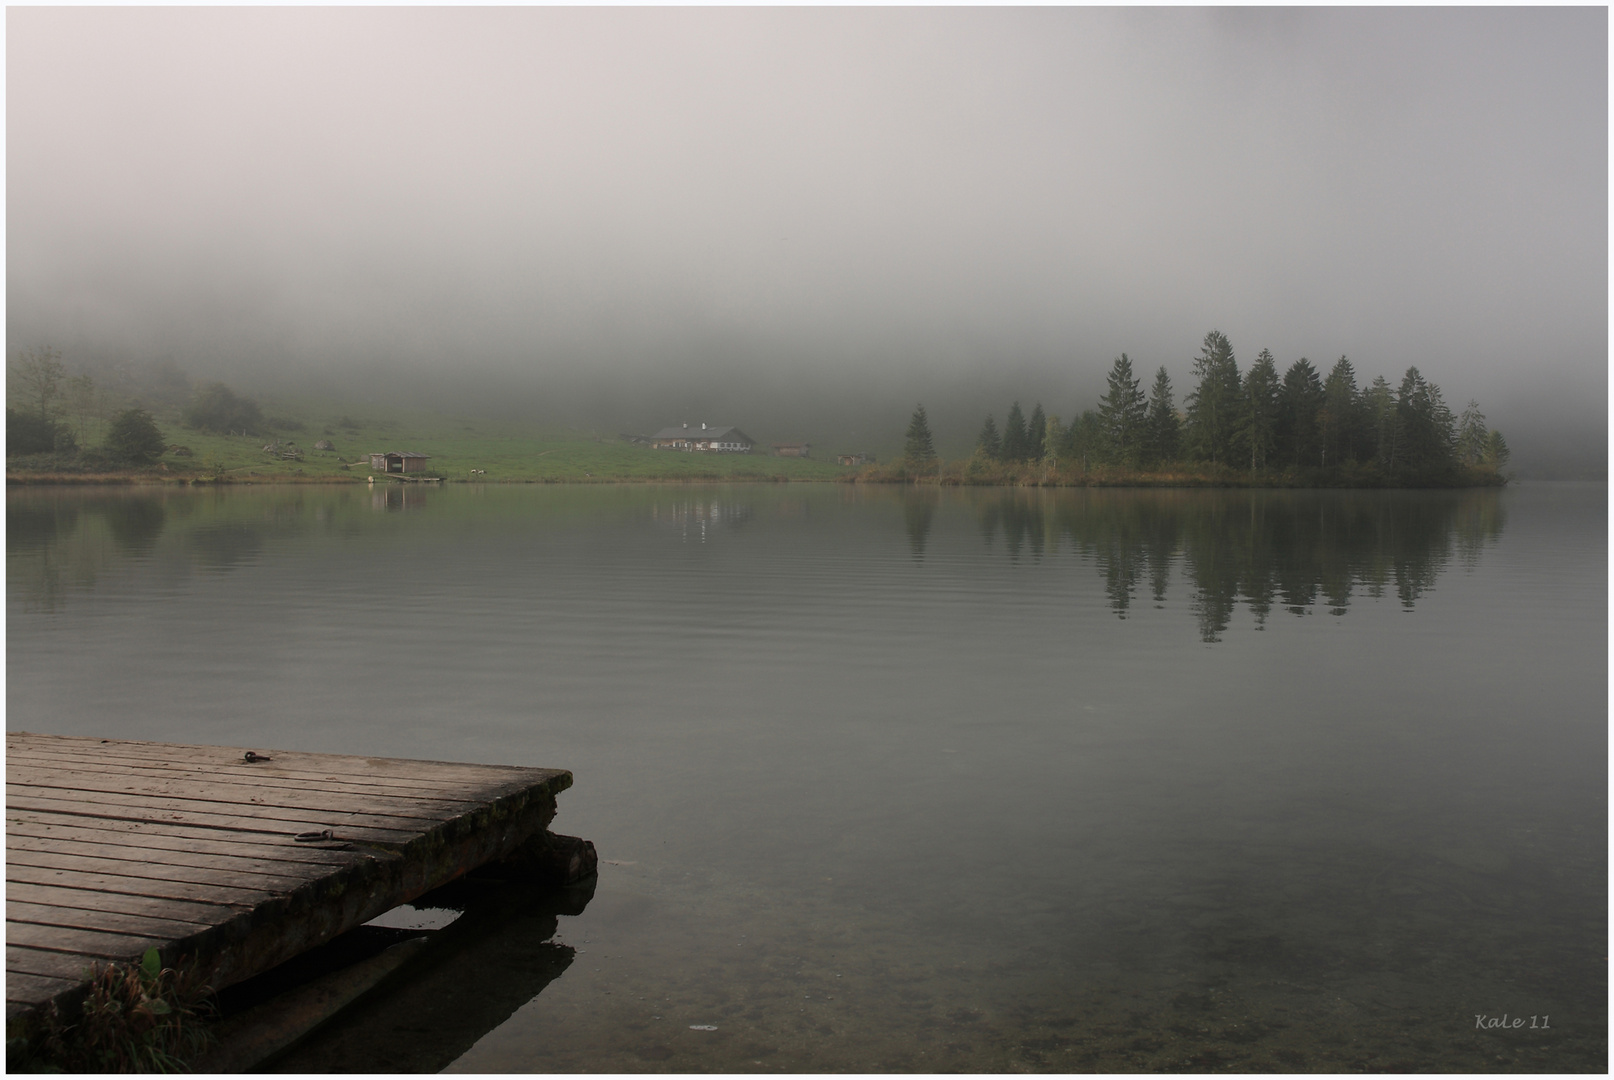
point(1426, 426)
point(1015, 447)
point(1214, 402)
point(1339, 422)
point(919, 448)
point(1301, 399)
point(1472, 435)
point(1380, 405)
point(1123, 410)
point(1164, 430)
point(1496, 451)
point(989, 445)
point(1258, 411)
point(1036, 428)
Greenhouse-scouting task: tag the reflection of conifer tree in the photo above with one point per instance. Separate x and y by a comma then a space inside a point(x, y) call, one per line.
point(918, 510)
point(988, 516)
point(1260, 561)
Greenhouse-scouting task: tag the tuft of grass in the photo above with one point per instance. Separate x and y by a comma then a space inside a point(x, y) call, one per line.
point(141, 1017)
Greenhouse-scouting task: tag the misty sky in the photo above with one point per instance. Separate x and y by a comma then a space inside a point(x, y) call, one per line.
point(891, 198)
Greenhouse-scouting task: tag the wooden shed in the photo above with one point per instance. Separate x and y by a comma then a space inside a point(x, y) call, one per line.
point(399, 461)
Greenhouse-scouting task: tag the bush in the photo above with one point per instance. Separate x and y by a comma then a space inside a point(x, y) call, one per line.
point(281, 423)
point(133, 436)
point(217, 408)
point(28, 434)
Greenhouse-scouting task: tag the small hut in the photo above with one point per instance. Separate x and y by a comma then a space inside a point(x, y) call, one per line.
point(399, 461)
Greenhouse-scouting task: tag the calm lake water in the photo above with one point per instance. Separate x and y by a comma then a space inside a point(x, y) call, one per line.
point(891, 780)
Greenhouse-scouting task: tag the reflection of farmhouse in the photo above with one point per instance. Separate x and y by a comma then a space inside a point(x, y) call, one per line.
point(400, 461)
point(791, 449)
point(721, 440)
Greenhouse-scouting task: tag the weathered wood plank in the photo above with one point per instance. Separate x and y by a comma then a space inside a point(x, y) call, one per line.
point(330, 764)
point(200, 911)
point(22, 988)
point(236, 794)
point(23, 832)
point(83, 940)
point(48, 963)
point(20, 911)
point(224, 856)
point(184, 815)
point(67, 939)
point(196, 875)
point(242, 808)
point(298, 781)
point(135, 886)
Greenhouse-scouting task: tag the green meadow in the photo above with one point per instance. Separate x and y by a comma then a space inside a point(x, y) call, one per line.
point(457, 448)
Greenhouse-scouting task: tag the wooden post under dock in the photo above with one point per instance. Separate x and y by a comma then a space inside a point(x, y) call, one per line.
point(235, 865)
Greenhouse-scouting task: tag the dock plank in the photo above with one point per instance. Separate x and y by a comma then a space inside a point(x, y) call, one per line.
point(159, 888)
point(323, 801)
point(281, 778)
point(20, 911)
point(111, 863)
point(203, 912)
point(116, 846)
point(24, 832)
point(244, 807)
point(155, 811)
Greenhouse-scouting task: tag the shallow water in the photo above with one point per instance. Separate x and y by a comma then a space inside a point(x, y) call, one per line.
point(897, 780)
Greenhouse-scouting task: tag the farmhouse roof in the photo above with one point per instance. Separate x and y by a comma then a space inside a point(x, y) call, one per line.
point(399, 453)
point(701, 433)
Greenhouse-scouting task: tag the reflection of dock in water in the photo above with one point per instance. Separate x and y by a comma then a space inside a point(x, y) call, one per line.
point(455, 985)
point(231, 862)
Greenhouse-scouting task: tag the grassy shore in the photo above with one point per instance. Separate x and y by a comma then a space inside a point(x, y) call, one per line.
point(508, 453)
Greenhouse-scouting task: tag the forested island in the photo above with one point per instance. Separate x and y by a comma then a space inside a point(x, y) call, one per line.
point(1302, 429)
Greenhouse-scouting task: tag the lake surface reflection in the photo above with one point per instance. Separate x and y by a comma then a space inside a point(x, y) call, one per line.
point(929, 780)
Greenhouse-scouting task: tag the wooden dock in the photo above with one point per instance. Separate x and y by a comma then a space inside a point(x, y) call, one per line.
point(233, 862)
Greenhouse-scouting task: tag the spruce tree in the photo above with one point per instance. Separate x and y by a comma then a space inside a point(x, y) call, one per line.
point(1214, 402)
point(1472, 435)
point(1379, 402)
point(1496, 451)
point(989, 445)
point(1164, 430)
point(1301, 400)
point(1124, 410)
point(1015, 446)
point(1427, 429)
point(1036, 429)
point(1258, 411)
point(919, 448)
point(1340, 420)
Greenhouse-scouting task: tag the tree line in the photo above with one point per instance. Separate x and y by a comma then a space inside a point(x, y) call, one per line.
point(50, 411)
point(1255, 422)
